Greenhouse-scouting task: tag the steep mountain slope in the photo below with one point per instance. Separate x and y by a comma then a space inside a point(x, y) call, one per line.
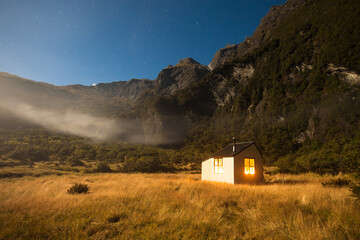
point(75, 109)
point(296, 94)
point(17, 90)
point(163, 121)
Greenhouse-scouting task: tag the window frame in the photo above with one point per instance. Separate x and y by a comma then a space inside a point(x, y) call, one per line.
point(249, 166)
point(218, 165)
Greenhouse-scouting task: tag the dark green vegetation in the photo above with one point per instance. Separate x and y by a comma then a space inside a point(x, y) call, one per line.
point(78, 188)
point(355, 189)
point(340, 182)
point(70, 153)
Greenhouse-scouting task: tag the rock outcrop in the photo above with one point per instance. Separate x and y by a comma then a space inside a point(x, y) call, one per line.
point(223, 55)
point(174, 78)
point(351, 77)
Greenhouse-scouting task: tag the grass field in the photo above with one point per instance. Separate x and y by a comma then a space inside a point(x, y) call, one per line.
point(175, 206)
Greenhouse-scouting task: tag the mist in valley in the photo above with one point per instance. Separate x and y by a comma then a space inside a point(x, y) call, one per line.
point(56, 109)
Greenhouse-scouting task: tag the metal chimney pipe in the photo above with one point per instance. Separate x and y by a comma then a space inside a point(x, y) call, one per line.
point(234, 146)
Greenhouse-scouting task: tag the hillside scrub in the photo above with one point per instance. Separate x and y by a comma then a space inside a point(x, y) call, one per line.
point(26, 147)
point(176, 206)
point(69, 153)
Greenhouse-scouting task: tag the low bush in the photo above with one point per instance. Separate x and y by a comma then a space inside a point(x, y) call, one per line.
point(117, 217)
point(76, 163)
point(78, 188)
point(11, 175)
point(103, 167)
point(355, 189)
point(340, 182)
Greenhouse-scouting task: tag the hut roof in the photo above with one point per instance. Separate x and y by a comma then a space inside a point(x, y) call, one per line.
point(228, 150)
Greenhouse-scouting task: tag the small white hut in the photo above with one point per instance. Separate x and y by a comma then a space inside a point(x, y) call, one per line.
point(236, 163)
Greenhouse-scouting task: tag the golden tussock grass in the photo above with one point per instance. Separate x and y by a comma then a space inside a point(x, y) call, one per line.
point(175, 206)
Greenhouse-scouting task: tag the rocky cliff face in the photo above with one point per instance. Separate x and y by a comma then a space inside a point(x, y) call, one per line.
point(223, 55)
point(126, 90)
point(275, 16)
point(163, 121)
point(174, 78)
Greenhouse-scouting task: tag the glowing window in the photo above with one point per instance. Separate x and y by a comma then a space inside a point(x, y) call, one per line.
point(249, 165)
point(218, 163)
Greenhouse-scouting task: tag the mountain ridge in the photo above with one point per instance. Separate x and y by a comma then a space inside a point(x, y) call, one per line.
point(273, 18)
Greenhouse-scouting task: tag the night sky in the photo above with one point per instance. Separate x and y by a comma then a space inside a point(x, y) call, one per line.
point(70, 42)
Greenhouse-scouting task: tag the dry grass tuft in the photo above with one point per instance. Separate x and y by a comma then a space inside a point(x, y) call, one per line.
point(175, 206)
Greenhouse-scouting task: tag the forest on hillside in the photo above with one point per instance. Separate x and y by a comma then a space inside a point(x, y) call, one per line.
point(27, 147)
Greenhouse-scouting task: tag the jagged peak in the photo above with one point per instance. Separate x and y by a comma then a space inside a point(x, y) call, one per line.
point(188, 60)
point(139, 80)
point(230, 46)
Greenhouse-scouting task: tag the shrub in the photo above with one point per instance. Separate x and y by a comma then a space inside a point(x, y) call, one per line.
point(11, 175)
point(340, 182)
point(103, 167)
point(143, 164)
point(117, 217)
point(78, 188)
point(76, 163)
point(355, 189)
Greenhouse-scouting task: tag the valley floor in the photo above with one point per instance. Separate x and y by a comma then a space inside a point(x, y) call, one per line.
point(175, 206)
